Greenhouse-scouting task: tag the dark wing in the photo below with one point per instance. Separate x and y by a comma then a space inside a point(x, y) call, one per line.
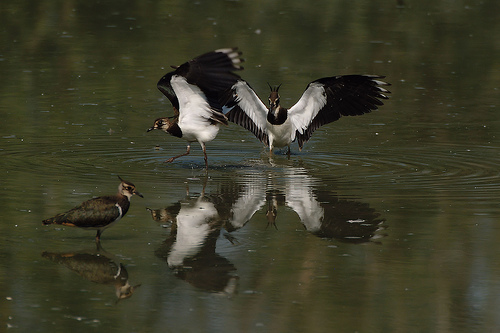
point(165, 87)
point(93, 213)
point(327, 99)
point(242, 106)
point(211, 73)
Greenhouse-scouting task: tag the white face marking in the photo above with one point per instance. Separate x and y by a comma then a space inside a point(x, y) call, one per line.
point(126, 190)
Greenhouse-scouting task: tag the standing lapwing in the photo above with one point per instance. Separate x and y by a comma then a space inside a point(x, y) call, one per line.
point(324, 101)
point(98, 213)
point(195, 89)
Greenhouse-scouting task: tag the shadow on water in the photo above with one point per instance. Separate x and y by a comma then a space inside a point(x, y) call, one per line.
point(96, 265)
point(199, 220)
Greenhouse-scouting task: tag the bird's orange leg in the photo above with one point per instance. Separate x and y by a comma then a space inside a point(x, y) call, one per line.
point(171, 159)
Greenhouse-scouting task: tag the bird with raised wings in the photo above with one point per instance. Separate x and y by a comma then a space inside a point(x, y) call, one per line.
point(324, 100)
point(195, 89)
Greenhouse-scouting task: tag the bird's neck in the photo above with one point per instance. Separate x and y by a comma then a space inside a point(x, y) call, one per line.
point(122, 197)
point(124, 202)
point(175, 130)
point(277, 116)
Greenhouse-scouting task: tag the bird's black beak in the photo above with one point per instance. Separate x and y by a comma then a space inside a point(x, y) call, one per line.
point(139, 194)
point(150, 129)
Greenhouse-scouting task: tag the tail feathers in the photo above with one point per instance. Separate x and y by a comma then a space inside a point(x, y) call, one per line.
point(48, 221)
point(58, 219)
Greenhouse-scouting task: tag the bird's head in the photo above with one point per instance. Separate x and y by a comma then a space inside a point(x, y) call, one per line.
point(161, 124)
point(274, 99)
point(128, 189)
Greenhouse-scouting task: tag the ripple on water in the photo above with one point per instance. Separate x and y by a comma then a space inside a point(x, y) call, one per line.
point(442, 167)
point(72, 156)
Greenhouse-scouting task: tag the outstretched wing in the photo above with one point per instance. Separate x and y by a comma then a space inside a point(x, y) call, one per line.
point(242, 106)
point(326, 100)
point(211, 73)
point(194, 108)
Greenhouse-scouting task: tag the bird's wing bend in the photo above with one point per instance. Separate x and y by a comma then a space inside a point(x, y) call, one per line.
point(211, 72)
point(243, 107)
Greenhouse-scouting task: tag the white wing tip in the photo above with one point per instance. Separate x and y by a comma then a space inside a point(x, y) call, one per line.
point(381, 83)
point(233, 54)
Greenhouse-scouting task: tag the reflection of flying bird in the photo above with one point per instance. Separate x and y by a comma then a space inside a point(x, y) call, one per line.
point(324, 214)
point(350, 221)
point(251, 197)
point(210, 272)
point(324, 101)
point(194, 89)
point(299, 193)
point(190, 248)
point(98, 267)
point(196, 219)
point(321, 212)
point(98, 213)
point(201, 266)
point(274, 198)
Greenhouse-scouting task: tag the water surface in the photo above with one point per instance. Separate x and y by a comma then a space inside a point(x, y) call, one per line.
point(385, 222)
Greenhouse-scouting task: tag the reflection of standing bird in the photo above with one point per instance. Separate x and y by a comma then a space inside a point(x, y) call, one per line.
point(98, 213)
point(194, 89)
point(162, 215)
point(324, 101)
point(96, 267)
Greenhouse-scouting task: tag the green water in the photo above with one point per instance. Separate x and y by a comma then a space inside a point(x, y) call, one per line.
point(386, 222)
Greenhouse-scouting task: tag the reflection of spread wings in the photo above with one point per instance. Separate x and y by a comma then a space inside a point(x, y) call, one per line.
point(301, 198)
point(349, 220)
point(194, 224)
point(250, 199)
point(325, 214)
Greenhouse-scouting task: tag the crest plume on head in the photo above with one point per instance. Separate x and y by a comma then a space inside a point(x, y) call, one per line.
point(275, 88)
